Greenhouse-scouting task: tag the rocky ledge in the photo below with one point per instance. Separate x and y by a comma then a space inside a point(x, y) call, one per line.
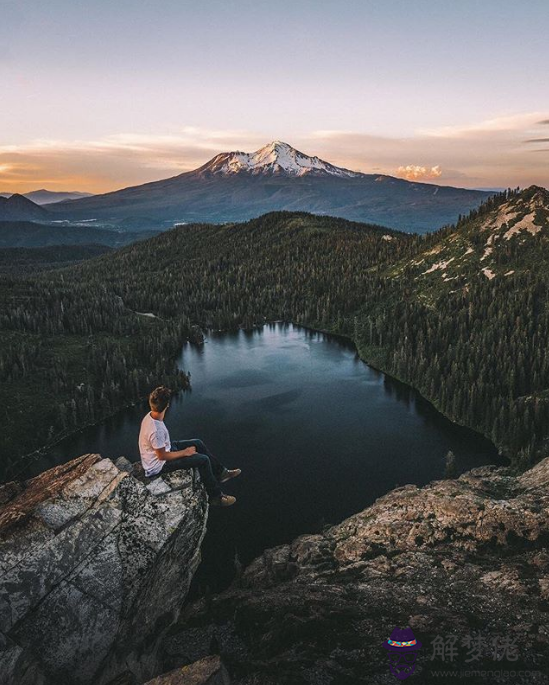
point(462, 562)
point(95, 563)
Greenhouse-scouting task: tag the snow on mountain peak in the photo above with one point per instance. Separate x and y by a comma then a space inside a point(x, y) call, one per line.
point(275, 158)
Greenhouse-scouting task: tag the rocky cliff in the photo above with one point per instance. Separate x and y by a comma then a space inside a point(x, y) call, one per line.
point(462, 562)
point(95, 564)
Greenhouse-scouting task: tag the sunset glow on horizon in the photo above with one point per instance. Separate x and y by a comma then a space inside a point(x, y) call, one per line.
point(103, 96)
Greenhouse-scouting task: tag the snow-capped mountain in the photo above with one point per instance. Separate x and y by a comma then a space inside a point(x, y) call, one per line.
point(275, 158)
point(235, 186)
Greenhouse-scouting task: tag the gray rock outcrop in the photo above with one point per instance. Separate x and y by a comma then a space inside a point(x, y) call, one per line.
point(457, 560)
point(95, 563)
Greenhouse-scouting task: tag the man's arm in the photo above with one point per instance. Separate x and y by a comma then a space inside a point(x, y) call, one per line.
point(168, 456)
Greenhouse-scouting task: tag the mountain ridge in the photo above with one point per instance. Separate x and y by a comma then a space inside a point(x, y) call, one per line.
point(43, 196)
point(17, 207)
point(238, 186)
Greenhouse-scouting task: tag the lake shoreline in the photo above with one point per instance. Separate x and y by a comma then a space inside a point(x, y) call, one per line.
point(406, 383)
point(42, 450)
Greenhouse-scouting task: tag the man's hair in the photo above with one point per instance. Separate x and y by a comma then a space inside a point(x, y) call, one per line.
point(160, 398)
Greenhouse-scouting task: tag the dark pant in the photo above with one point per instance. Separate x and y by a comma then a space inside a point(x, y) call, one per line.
point(209, 467)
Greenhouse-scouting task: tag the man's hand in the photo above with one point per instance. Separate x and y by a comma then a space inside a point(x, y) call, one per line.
point(188, 452)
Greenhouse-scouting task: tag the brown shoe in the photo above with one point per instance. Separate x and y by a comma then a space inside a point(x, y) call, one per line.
point(223, 501)
point(230, 473)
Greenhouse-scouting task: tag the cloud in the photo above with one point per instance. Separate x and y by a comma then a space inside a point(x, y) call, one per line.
point(413, 172)
point(482, 154)
point(114, 161)
point(496, 125)
point(537, 140)
point(544, 122)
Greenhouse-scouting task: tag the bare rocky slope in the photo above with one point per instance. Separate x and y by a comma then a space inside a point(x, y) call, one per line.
point(509, 240)
point(455, 560)
point(94, 567)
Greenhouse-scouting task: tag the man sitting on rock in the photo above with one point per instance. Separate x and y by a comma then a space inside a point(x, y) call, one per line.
point(159, 454)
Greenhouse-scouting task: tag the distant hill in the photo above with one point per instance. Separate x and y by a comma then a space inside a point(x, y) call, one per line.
point(46, 197)
point(19, 208)
point(30, 234)
point(237, 186)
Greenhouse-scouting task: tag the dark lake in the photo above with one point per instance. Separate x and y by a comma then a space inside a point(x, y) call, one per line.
point(318, 434)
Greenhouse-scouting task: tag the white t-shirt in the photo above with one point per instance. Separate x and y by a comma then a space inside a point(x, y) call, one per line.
point(153, 435)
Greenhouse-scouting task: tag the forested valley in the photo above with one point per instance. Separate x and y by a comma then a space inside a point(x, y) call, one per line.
point(76, 344)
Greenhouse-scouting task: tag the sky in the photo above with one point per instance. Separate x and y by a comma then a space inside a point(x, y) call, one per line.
point(100, 95)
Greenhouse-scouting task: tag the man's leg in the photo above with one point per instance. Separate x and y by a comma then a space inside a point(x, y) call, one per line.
point(200, 461)
point(217, 467)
